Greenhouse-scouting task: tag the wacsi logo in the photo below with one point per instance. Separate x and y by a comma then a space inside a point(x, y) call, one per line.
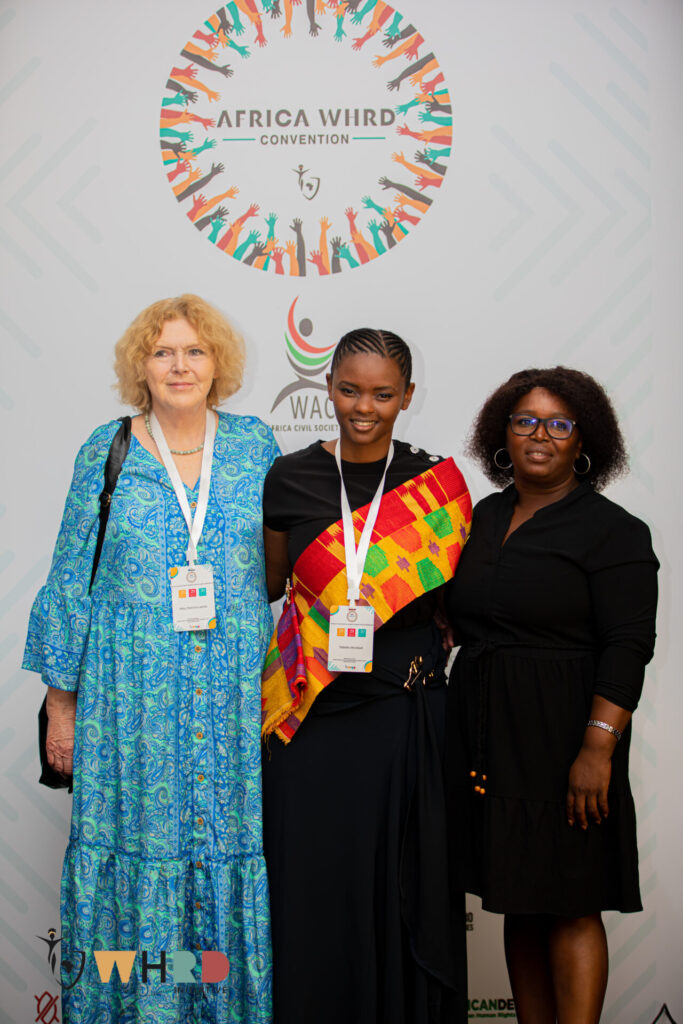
point(310, 408)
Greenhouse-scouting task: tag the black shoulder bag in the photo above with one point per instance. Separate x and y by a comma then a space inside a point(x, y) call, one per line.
point(112, 467)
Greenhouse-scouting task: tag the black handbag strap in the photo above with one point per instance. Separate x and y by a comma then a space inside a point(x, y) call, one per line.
point(112, 467)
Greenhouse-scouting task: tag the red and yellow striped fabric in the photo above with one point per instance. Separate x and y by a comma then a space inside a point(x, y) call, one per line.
point(419, 535)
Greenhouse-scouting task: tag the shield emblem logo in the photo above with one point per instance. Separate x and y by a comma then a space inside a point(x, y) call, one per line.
point(310, 187)
point(71, 972)
point(309, 184)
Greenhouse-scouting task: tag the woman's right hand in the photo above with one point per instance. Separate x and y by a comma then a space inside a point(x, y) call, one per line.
point(446, 630)
point(61, 724)
point(278, 568)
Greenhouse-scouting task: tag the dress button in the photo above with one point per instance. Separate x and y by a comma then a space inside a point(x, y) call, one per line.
point(200, 735)
point(198, 905)
point(200, 821)
point(199, 865)
point(414, 450)
point(193, 504)
point(199, 691)
point(433, 458)
point(198, 649)
point(200, 777)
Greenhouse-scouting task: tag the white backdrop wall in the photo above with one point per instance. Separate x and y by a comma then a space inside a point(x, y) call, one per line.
point(554, 237)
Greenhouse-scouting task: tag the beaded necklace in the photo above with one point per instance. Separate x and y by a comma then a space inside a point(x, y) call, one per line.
point(173, 451)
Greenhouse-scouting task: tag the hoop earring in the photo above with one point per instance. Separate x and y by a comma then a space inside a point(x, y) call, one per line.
point(504, 452)
point(583, 472)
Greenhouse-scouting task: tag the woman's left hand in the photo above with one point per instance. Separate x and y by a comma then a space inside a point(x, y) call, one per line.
point(589, 779)
point(590, 774)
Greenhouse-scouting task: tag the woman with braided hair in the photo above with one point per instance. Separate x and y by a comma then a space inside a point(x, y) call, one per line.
point(361, 532)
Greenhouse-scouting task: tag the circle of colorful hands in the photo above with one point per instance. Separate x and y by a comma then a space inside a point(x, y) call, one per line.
point(375, 224)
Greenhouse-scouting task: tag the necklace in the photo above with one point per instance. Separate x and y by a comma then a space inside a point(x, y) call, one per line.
point(173, 451)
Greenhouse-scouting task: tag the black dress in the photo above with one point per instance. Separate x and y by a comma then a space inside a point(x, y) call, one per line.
point(565, 609)
point(357, 866)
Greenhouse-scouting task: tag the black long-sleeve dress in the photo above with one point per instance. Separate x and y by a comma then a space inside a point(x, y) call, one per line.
point(361, 931)
point(563, 610)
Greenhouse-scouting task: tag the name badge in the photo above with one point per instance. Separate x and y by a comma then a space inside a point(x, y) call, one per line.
point(351, 637)
point(193, 597)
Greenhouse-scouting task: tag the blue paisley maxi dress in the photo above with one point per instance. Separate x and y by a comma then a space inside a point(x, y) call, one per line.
point(165, 851)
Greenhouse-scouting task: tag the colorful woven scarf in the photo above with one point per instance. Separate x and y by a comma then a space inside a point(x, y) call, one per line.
point(415, 546)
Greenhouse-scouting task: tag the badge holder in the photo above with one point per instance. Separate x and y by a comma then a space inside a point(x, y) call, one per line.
point(352, 631)
point(192, 595)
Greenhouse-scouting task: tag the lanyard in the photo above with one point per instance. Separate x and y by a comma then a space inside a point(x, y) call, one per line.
point(195, 525)
point(355, 559)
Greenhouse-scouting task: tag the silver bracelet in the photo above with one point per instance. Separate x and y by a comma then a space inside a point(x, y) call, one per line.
point(606, 726)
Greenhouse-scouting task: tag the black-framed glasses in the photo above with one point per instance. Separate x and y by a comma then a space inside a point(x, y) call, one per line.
point(557, 427)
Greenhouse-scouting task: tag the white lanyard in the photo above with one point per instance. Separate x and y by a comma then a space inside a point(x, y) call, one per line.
point(195, 525)
point(355, 559)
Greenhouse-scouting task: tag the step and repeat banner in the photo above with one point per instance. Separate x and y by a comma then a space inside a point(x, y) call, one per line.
point(497, 182)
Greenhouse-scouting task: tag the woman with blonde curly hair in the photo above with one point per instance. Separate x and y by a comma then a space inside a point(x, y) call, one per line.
point(153, 676)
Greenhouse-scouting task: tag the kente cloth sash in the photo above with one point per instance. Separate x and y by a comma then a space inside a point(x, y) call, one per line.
point(415, 546)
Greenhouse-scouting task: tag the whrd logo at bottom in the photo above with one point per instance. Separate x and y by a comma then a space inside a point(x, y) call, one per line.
point(215, 966)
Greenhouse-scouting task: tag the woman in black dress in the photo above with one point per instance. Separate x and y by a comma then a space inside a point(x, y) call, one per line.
point(354, 815)
point(554, 606)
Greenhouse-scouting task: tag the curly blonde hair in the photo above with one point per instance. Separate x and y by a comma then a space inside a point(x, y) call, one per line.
point(224, 343)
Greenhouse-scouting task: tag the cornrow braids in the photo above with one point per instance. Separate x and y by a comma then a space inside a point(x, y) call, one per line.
point(381, 343)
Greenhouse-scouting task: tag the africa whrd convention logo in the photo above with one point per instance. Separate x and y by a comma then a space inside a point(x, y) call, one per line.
point(305, 138)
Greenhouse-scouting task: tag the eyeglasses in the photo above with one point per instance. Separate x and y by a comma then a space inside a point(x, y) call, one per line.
point(557, 427)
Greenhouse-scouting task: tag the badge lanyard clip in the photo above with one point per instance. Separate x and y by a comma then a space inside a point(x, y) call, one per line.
point(355, 558)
